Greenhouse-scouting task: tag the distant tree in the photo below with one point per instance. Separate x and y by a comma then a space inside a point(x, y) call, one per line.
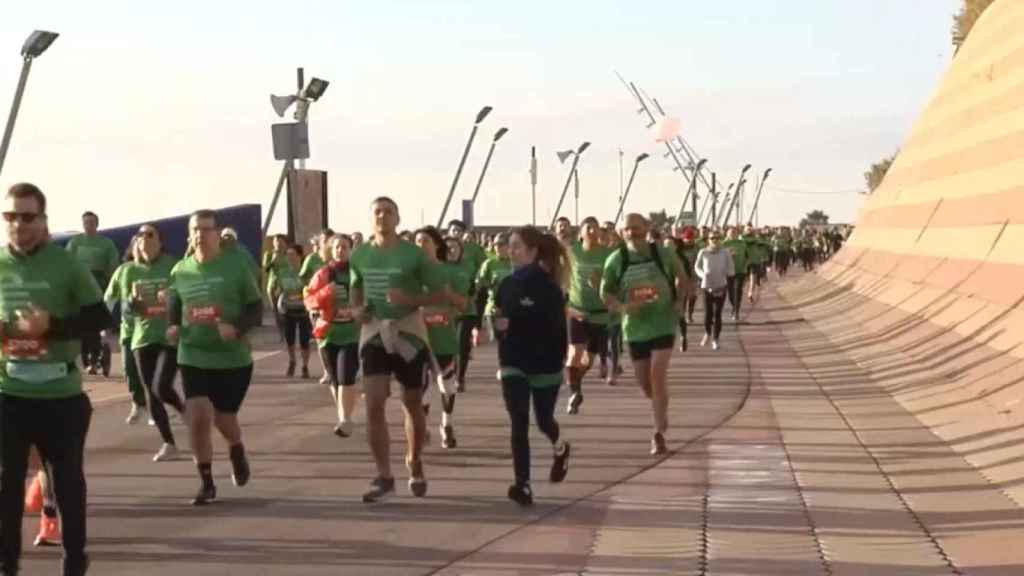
point(814, 218)
point(964, 21)
point(661, 220)
point(873, 177)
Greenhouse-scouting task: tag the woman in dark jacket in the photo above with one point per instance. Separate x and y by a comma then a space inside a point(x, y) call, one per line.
point(532, 341)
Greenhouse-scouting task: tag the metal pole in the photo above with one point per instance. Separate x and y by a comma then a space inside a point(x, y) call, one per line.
point(533, 181)
point(277, 194)
point(455, 182)
point(576, 186)
point(692, 190)
point(487, 163)
point(18, 93)
point(625, 194)
point(757, 199)
point(565, 189)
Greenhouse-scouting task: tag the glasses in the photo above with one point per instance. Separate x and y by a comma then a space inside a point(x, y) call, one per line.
point(23, 217)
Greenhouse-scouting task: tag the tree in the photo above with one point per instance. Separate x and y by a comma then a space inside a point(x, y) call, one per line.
point(661, 220)
point(876, 174)
point(964, 21)
point(814, 218)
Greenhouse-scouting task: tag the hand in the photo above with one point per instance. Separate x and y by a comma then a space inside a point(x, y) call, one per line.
point(33, 322)
point(500, 323)
point(172, 334)
point(227, 331)
point(108, 337)
point(477, 337)
point(398, 297)
point(161, 297)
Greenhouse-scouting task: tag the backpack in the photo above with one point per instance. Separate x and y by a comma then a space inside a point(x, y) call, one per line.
point(655, 257)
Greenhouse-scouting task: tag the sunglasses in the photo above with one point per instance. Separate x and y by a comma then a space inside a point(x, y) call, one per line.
point(23, 217)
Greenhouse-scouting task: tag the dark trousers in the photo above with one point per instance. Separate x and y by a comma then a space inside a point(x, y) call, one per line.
point(517, 394)
point(713, 306)
point(466, 326)
point(157, 366)
point(57, 428)
point(92, 349)
point(735, 289)
point(615, 343)
point(131, 373)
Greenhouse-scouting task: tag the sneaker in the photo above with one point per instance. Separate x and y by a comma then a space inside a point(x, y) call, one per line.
point(290, 372)
point(305, 373)
point(380, 488)
point(206, 495)
point(574, 403)
point(560, 465)
point(151, 422)
point(240, 471)
point(733, 315)
point(448, 437)
point(684, 345)
point(704, 341)
point(417, 483)
point(602, 372)
point(658, 446)
point(461, 386)
point(619, 371)
point(167, 453)
point(49, 532)
point(325, 379)
point(135, 413)
point(611, 380)
point(343, 429)
point(92, 370)
point(714, 345)
point(521, 494)
point(689, 318)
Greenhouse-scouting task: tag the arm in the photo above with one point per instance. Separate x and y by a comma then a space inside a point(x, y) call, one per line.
point(611, 284)
point(698, 266)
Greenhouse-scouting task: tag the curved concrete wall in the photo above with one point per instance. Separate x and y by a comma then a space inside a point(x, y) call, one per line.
point(935, 269)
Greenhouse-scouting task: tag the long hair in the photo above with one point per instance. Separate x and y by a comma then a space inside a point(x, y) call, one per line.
point(441, 248)
point(551, 255)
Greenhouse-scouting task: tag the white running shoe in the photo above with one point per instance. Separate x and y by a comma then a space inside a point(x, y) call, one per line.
point(151, 421)
point(344, 429)
point(167, 452)
point(704, 341)
point(136, 413)
point(714, 345)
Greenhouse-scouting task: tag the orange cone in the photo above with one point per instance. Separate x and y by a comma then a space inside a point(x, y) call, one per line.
point(49, 531)
point(34, 497)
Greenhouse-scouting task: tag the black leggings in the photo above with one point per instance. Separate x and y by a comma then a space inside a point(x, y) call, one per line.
point(341, 363)
point(157, 367)
point(735, 289)
point(466, 326)
point(517, 392)
point(713, 306)
point(298, 325)
point(615, 343)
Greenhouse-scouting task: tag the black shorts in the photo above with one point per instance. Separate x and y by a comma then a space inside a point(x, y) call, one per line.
point(410, 374)
point(594, 336)
point(225, 387)
point(298, 325)
point(341, 362)
point(642, 350)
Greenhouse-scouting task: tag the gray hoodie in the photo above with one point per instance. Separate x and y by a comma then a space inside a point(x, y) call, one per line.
point(714, 266)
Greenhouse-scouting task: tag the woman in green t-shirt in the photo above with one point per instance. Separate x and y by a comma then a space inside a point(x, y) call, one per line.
point(287, 285)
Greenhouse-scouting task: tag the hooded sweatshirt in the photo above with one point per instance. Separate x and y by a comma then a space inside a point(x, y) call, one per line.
point(714, 266)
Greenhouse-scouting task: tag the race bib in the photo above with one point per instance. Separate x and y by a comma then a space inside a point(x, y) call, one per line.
point(155, 311)
point(343, 316)
point(24, 348)
point(643, 294)
point(206, 314)
point(435, 319)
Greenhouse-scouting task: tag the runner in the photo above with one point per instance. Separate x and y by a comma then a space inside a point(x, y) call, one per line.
point(741, 258)
point(100, 256)
point(142, 287)
point(691, 246)
point(612, 241)
point(131, 372)
point(714, 267)
point(564, 232)
point(229, 244)
point(214, 302)
point(532, 345)
point(782, 246)
point(492, 273)
point(336, 330)
point(394, 279)
point(588, 315)
point(473, 258)
point(287, 287)
point(441, 330)
point(468, 317)
point(318, 258)
point(642, 280)
point(48, 300)
point(679, 247)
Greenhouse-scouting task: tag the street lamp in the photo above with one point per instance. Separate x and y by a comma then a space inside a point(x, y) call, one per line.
point(691, 193)
point(494, 142)
point(735, 197)
point(34, 46)
point(625, 195)
point(462, 163)
point(757, 198)
point(572, 171)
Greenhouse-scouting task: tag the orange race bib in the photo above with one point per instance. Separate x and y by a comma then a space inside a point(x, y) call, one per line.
point(435, 319)
point(155, 311)
point(643, 294)
point(208, 314)
point(24, 348)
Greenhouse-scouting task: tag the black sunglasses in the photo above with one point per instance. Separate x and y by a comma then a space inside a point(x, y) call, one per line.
point(24, 217)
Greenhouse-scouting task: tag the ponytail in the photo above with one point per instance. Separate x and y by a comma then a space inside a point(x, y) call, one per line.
point(551, 254)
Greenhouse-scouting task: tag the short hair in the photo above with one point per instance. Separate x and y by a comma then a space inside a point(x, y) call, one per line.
point(590, 220)
point(205, 214)
point(563, 219)
point(387, 199)
point(326, 233)
point(27, 190)
point(457, 222)
point(88, 213)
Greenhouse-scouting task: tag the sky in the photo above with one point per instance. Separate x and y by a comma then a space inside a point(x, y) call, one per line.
point(142, 110)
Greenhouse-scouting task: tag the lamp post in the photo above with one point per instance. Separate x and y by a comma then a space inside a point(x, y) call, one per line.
point(572, 171)
point(739, 186)
point(494, 142)
point(692, 191)
point(462, 163)
point(757, 198)
point(35, 45)
point(632, 176)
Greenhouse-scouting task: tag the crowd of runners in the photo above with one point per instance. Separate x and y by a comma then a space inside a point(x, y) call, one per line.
point(409, 306)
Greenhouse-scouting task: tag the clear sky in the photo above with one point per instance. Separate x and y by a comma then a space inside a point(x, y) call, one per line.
point(142, 109)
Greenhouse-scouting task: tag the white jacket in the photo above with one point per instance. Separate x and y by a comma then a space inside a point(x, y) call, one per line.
point(714, 267)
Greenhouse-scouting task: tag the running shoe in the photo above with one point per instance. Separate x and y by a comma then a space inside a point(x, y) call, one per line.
point(521, 494)
point(448, 437)
point(380, 488)
point(417, 482)
point(240, 471)
point(206, 495)
point(92, 370)
point(603, 371)
point(619, 370)
point(574, 403)
point(461, 386)
point(49, 532)
point(704, 341)
point(658, 446)
point(714, 345)
point(560, 464)
point(167, 453)
point(305, 373)
point(290, 371)
point(343, 429)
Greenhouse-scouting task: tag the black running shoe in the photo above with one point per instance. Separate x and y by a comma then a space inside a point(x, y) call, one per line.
point(290, 372)
point(658, 446)
point(239, 466)
point(560, 464)
point(448, 437)
point(305, 373)
point(521, 494)
point(380, 488)
point(206, 495)
point(602, 371)
point(417, 482)
point(460, 386)
point(574, 403)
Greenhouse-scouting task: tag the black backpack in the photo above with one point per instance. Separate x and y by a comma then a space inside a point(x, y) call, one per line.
point(655, 256)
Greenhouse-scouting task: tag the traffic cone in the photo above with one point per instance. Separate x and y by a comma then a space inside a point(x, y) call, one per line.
point(34, 496)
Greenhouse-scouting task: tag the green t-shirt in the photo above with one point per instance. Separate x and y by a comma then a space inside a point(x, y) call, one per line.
point(310, 266)
point(98, 253)
point(466, 275)
point(272, 263)
point(475, 254)
point(492, 273)
point(441, 320)
point(377, 270)
point(645, 284)
point(237, 251)
point(585, 290)
point(149, 314)
point(344, 329)
point(52, 280)
point(286, 287)
point(116, 293)
point(740, 254)
point(212, 292)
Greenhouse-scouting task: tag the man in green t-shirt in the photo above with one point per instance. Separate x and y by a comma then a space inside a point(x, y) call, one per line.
point(317, 258)
point(473, 257)
point(588, 314)
point(47, 300)
point(101, 257)
point(494, 270)
point(214, 302)
point(741, 258)
point(391, 281)
point(643, 282)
